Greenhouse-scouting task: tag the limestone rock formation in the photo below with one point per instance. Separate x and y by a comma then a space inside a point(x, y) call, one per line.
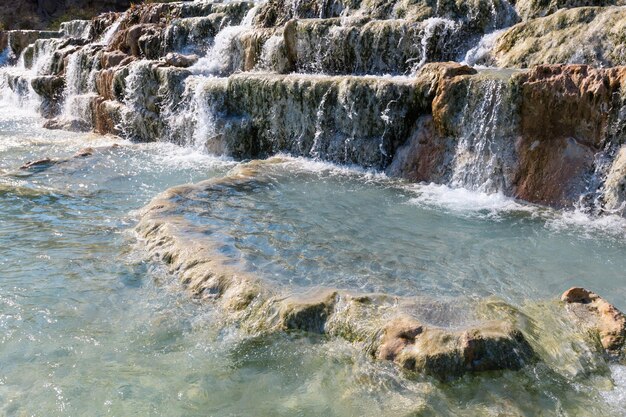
point(593, 312)
point(492, 346)
point(180, 60)
point(355, 83)
point(584, 35)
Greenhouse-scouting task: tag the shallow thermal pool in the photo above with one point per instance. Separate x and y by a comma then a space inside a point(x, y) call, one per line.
point(89, 327)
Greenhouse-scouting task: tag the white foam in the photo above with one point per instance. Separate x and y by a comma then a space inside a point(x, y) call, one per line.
point(169, 154)
point(481, 53)
point(588, 225)
point(617, 396)
point(465, 202)
point(324, 167)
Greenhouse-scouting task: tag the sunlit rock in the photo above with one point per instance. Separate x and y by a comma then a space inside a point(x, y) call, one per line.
point(584, 35)
point(593, 312)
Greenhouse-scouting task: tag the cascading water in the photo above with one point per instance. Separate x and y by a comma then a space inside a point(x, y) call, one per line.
point(225, 56)
point(434, 29)
point(485, 151)
point(441, 273)
point(481, 53)
point(107, 36)
point(80, 85)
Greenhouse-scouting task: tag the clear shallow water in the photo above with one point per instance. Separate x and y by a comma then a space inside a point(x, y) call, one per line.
point(308, 224)
point(88, 328)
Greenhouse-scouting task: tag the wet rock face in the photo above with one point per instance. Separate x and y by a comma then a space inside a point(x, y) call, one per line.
point(18, 40)
point(315, 116)
point(50, 88)
point(180, 60)
point(564, 121)
point(585, 35)
point(593, 312)
point(445, 354)
point(4, 40)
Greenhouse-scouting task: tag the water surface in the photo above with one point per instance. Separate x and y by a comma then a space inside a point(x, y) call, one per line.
point(89, 327)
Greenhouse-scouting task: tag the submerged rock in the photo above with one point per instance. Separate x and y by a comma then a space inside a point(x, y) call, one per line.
point(72, 125)
point(593, 312)
point(39, 164)
point(444, 354)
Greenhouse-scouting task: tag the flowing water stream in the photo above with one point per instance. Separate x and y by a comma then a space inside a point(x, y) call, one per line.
point(90, 328)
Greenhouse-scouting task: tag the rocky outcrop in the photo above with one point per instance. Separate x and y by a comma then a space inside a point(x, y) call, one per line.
point(530, 9)
point(602, 318)
point(585, 35)
point(50, 88)
point(18, 40)
point(565, 114)
point(495, 335)
point(491, 346)
point(535, 135)
point(180, 60)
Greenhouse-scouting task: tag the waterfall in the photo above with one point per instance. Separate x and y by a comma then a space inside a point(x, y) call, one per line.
point(481, 53)
point(107, 36)
point(195, 122)
point(226, 54)
point(78, 29)
point(434, 29)
point(315, 151)
point(80, 84)
point(485, 150)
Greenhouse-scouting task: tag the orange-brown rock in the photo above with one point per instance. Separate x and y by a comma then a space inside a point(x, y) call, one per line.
point(436, 75)
point(422, 157)
point(564, 117)
point(38, 164)
point(444, 353)
point(107, 115)
point(114, 59)
point(82, 153)
point(594, 312)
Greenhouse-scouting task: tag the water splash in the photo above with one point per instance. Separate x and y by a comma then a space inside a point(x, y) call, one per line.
point(226, 54)
point(434, 29)
point(486, 144)
point(481, 53)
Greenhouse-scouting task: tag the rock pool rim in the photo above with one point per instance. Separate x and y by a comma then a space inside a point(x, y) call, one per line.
point(380, 323)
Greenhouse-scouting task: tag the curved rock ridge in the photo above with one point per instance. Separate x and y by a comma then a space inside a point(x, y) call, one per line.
point(385, 326)
point(378, 322)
